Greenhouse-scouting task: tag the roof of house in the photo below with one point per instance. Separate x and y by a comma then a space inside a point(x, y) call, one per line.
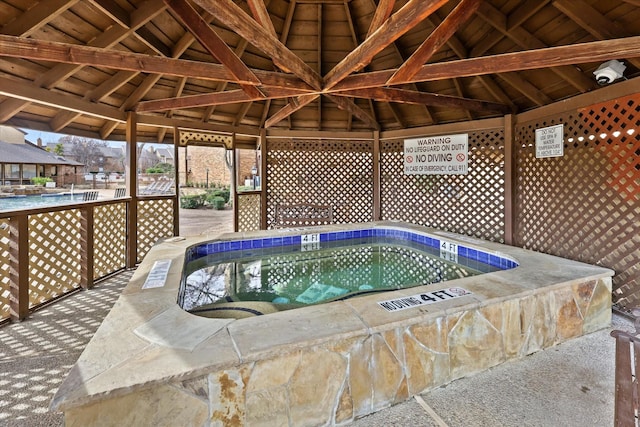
point(28, 153)
point(303, 66)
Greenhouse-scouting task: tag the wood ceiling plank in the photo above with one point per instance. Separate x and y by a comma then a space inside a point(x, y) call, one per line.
point(36, 17)
point(443, 32)
point(215, 46)
point(526, 40)
point(64, 118)
point(592, 21)
point(526, 88)
point(109, 38)
point(350, 106)
point(407, 17)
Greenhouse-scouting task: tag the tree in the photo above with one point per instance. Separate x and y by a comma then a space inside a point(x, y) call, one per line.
point(86, 151)
point(58, 150)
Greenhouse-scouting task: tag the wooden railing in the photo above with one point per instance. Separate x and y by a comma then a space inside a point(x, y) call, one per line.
point(627, 391)
point(48, 252)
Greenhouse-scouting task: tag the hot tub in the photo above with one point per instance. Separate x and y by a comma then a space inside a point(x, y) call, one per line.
point(153, 363)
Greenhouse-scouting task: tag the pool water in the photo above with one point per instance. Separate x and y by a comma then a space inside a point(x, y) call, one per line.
point(290, 277)
point(26, 202)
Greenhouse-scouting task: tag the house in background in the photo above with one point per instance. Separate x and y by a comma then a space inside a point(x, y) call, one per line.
point(21, 160)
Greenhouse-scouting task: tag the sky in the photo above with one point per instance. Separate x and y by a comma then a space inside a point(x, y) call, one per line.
point(33, 135)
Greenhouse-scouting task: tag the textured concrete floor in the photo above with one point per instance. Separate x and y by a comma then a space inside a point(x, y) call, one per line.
point(571, 384)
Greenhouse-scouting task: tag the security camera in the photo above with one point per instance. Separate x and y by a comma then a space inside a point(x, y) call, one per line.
point(609, 71)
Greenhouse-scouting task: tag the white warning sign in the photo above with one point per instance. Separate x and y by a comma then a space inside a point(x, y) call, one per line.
point(550, 142)
point(437, 155)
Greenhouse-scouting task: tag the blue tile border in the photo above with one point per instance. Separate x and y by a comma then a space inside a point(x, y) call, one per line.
point(476, 255)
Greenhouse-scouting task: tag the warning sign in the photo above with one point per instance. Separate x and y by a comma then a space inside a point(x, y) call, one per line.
point(436, 155)
point(550, 142)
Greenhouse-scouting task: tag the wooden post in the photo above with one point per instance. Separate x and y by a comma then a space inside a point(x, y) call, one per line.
point(509, 176)
point(234, 184)
point(19, 267)
point(263, 179)
point(86, 247)
point(176, 199)
point(131, 177)
point(377, 209)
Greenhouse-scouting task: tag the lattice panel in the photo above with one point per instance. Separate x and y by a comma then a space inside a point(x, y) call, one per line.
point(471, 204)
point(54, 255)
point(332, 172)
point(585, 205)
point(155, 222)
point(249, 212)
point(109, 239)
point(4, 269)
point(206, 137)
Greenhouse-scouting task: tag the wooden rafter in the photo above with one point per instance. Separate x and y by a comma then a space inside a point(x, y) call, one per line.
point(215, 45)
point(411, 14)
point(460, 14)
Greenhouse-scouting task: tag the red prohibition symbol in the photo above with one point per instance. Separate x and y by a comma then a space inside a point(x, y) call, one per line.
point(460, 157)
point(409, 159)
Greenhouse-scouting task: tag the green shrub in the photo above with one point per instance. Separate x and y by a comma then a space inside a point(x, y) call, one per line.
point(192, 201)
point(40, 180)
point(218, 203)
point(219, 192)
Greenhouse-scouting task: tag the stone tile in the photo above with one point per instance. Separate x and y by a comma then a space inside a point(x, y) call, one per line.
point(175, 328)
point(360, 377)
point(267, 408)
point(315, 387)
point(539, 322)
point(227, 398)
point(598, 314)
point(474, 345)
point(155, 406)
point(569, 318)
point(344, 410)
point(386, 372)
point(273, 372)
point(264, 336)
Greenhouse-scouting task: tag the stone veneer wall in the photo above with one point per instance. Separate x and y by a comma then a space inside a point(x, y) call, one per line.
point(336, 382)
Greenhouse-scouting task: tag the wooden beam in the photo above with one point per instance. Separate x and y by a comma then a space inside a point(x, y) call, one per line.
point(526, 40)
point(215, 45)
point(91, 56)
point(214, 98)
point(503, 63)
point(36, 17)
point(289, 109)
point(350, 106)
point(237, 20)
point(383, 11)
point(410, 15)
point(458, 16)
point(27, 92)
point(403, 96)
point(592, 21)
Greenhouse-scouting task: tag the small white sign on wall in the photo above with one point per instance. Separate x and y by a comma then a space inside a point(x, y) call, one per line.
point(550, 141)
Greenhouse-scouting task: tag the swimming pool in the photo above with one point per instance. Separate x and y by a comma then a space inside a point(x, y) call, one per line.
point(25, 202)
point(270, 275)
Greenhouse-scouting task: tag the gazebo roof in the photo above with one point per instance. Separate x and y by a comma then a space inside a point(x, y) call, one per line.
point(79, 67)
